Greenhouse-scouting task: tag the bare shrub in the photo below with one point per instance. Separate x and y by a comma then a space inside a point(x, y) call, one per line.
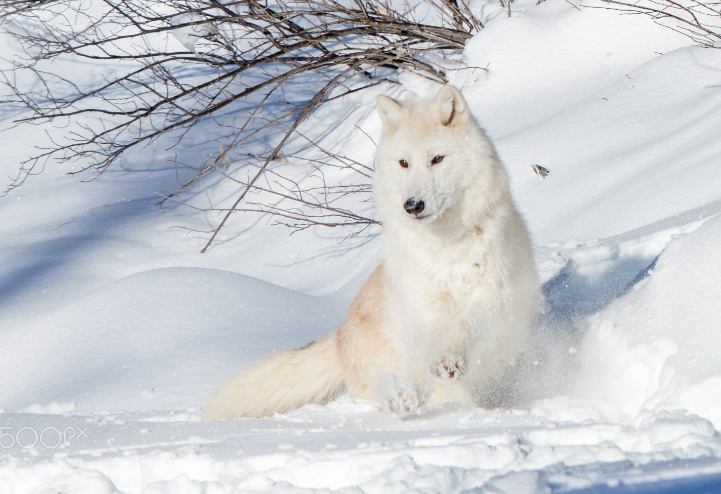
point(173, 64)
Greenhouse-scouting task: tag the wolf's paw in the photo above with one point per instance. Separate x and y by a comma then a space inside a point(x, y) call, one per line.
point(403, 402)
point(398, 395)
point(449, 367)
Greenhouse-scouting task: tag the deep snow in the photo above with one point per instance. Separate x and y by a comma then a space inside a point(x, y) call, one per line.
point(114, 329)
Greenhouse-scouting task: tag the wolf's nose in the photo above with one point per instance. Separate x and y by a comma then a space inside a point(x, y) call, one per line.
point(414, 206)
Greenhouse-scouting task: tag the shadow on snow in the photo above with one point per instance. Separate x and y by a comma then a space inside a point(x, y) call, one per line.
point(546, 368)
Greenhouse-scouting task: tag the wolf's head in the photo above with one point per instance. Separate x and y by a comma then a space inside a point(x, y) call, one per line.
point(434, 166)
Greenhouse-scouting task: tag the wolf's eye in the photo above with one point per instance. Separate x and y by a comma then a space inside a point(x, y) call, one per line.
point(437, 159)
point(403, 163)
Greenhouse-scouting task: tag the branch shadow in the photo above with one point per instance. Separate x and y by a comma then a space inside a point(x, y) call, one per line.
point(34, 275)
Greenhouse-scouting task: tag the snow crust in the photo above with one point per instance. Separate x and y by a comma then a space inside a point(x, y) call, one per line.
point(114, 330)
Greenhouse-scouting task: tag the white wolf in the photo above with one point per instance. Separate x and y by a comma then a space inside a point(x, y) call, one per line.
point(448, 308)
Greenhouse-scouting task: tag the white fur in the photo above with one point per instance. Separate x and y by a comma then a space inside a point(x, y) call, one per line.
point(455, 291)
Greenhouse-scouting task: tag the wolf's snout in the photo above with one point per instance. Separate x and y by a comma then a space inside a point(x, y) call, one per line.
point(414, 206)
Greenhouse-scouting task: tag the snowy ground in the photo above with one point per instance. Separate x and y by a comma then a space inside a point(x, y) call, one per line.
point(114, 329)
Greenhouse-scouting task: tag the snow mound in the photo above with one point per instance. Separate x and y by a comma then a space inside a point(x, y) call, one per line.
point(662, 340)
point(155, 340)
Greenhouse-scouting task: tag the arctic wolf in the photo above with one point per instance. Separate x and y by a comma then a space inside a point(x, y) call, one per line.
point(448, 308)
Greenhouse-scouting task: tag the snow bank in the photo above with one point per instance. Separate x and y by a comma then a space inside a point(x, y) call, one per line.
point(156, 340)
point(659, 346)
point(629, 155)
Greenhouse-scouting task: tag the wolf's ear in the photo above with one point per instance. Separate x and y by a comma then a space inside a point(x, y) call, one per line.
point(451, 106)
point(391, 113)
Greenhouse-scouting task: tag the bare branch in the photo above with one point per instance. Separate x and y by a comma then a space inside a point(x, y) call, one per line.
point(700, 20)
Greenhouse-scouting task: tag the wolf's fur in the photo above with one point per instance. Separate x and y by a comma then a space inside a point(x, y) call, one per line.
point(448, 308)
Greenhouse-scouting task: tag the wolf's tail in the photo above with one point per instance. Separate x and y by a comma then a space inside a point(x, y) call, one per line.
point(281, 382)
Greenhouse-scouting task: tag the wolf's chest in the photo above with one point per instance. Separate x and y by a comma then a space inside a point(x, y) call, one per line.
point(452, 284)
point(461, 286)
point(450, 278)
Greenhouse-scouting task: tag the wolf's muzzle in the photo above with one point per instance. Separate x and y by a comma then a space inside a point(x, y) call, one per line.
point(414, 206)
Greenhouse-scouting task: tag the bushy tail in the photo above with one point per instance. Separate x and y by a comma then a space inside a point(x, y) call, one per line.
point(281, 382)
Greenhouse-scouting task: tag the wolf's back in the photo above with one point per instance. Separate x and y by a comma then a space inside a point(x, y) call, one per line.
point(281, 382)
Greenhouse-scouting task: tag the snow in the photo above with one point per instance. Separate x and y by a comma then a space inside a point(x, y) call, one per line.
point(166, 317)
point(114, 329)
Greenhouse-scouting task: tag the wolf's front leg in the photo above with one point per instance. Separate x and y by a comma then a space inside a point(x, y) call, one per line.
point(449, 366)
